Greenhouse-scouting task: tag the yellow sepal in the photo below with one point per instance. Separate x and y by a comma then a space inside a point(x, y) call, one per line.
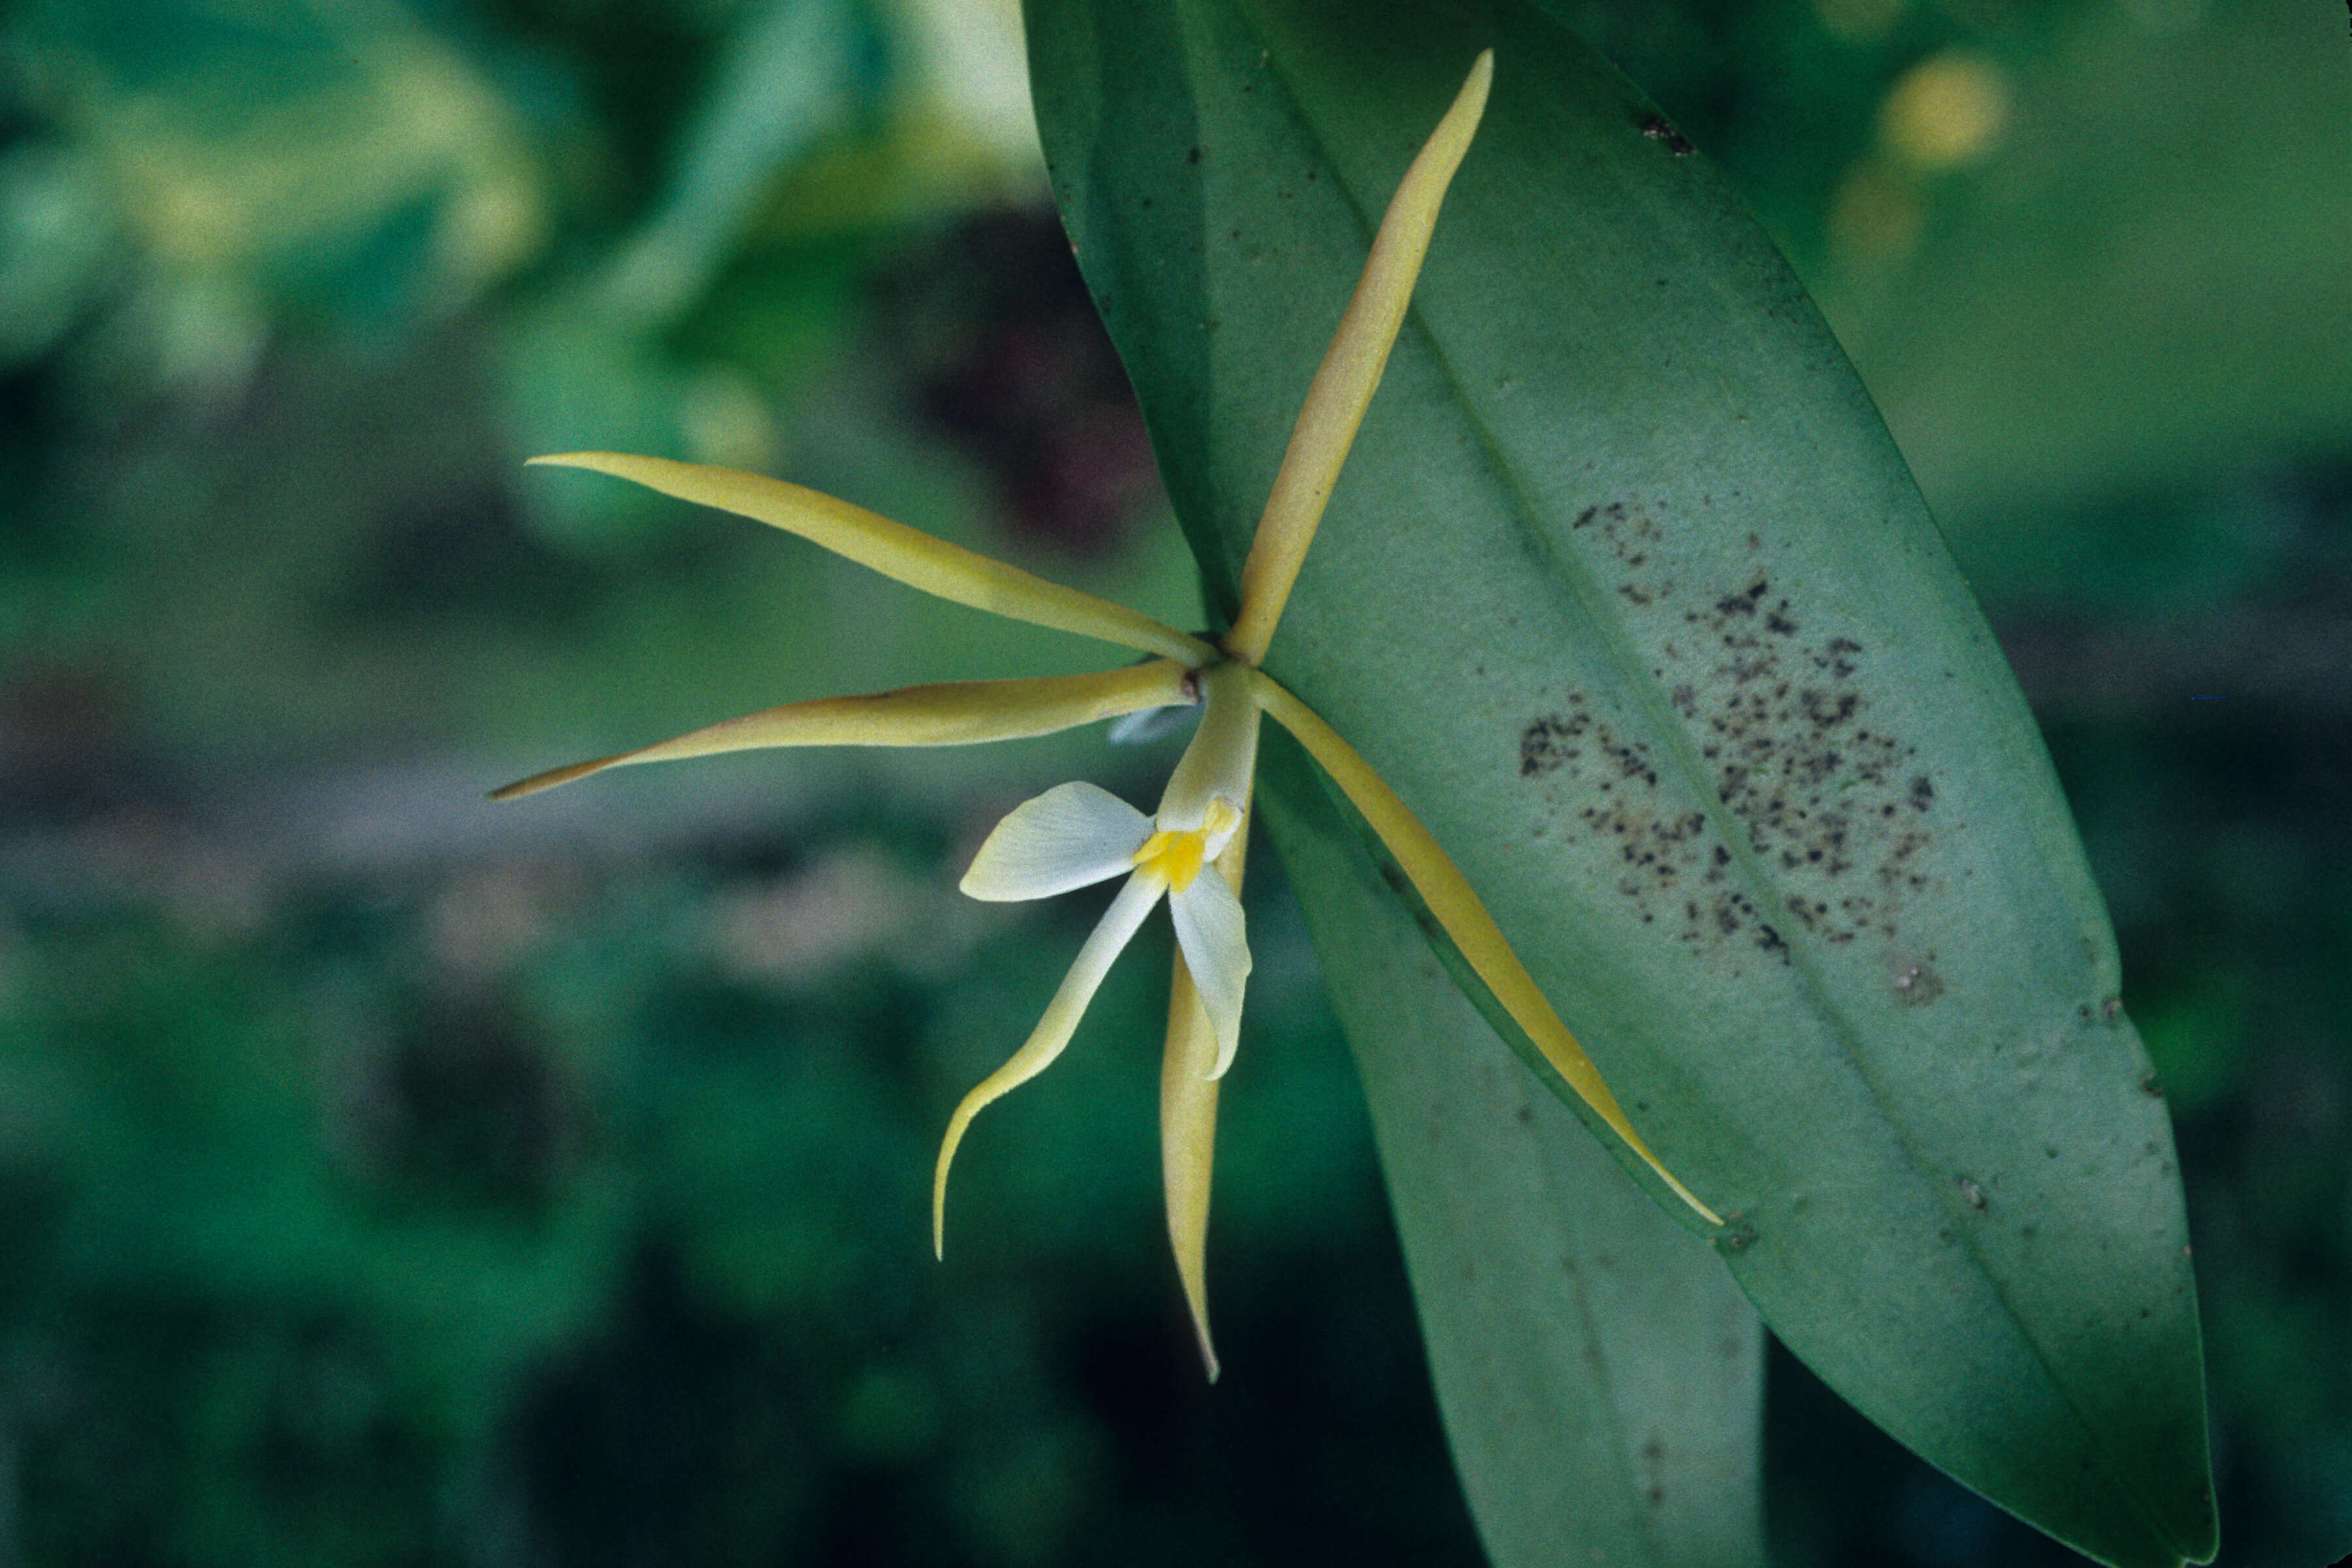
point(1189, 1075)
point(1459, 911)
point(1188, 1145)
point(956, 713)
point(907, 554)
point(1351, 372)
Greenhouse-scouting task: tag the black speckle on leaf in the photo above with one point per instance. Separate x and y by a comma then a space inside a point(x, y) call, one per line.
point(1832, 806)
point(1544, 744)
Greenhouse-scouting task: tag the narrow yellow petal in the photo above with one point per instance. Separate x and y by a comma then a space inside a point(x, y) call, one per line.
point(907, 555)
point(1188, 1145)
point(1188, 1118)
point(958, 713)
point(1110, 937)
point(1351, 372)
point(1451, 898)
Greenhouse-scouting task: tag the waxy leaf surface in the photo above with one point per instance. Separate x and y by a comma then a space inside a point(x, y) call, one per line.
point(1628, 595)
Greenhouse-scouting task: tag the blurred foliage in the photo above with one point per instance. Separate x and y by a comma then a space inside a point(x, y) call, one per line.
point(387, 1180)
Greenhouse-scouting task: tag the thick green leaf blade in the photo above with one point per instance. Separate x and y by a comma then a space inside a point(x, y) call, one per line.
point(1601, 1377)
point(1625, 591)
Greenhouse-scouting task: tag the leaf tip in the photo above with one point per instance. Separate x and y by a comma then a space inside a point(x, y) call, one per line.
point(551, 779)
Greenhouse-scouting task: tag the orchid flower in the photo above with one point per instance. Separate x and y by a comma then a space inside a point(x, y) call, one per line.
point(1191, 851)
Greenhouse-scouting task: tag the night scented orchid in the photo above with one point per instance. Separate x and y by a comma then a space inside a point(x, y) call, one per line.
point(1189, 851)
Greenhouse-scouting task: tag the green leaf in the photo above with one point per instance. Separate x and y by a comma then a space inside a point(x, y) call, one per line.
point(1627, 593)
point(1601, 1377)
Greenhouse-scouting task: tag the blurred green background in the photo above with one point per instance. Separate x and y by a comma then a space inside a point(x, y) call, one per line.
point(386, 1178)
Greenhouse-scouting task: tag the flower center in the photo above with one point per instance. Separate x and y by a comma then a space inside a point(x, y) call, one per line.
point(1175, 857)
point(1177, 854)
